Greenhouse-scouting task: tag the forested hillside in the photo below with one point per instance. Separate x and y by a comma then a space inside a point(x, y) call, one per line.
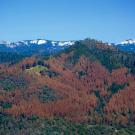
point(9, 57)
point(88, 88)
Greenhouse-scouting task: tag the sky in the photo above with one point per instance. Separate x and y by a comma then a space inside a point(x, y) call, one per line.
point(107, 20)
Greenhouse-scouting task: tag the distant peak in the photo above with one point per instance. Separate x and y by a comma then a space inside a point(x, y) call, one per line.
point(36, 42)
point(129, 41)
point(4, 42)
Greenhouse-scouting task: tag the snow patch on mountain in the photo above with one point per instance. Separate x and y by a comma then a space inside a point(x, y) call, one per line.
point(39, 42)
point(36, 42)
point(127, 42)
point(54, 43)
point(66, 43)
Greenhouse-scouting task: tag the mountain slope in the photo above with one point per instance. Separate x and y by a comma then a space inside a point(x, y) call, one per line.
point(108, 56)
point(11, 57)
point(89, 82)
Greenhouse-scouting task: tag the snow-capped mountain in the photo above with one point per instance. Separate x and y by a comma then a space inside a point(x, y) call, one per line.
point(127, 45)
point(36, 42)
point(127, 42)
point(34, 46)
point(42, 46)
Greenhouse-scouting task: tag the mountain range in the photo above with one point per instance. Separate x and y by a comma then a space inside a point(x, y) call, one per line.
point(87, 87)
point(39, 46)
point(42, 46)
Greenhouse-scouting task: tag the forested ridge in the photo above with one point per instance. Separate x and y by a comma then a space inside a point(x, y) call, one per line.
point(88, 88)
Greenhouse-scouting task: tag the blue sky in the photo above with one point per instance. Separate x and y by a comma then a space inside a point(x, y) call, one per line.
point(107, 20)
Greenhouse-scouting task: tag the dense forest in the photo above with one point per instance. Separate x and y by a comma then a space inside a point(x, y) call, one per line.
point(87, 89)
point(10, 57)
